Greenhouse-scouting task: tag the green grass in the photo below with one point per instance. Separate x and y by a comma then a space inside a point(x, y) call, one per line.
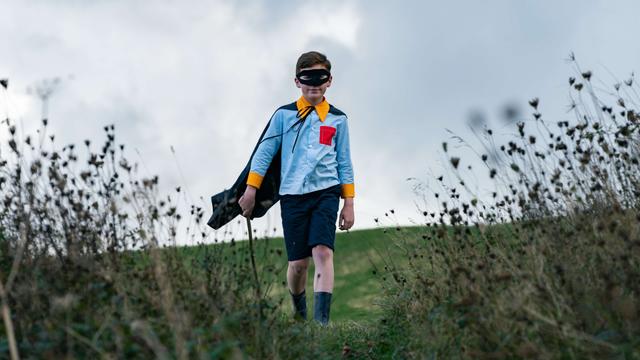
point(359, 256)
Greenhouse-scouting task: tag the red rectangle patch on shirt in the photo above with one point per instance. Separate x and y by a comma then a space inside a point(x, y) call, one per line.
point(326, 133)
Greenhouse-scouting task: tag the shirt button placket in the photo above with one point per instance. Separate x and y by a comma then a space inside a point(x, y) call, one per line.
point(309, 152)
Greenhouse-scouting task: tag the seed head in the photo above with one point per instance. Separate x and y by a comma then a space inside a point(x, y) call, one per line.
point(455, 161)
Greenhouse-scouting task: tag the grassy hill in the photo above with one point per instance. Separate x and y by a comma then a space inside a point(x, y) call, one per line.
point(359, 256)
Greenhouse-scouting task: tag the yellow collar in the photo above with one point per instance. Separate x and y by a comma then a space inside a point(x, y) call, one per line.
point(322, 109)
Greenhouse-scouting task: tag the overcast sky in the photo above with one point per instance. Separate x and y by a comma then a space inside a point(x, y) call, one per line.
point(204, 76)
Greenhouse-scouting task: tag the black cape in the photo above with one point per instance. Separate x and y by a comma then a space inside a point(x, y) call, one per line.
point(225, 203)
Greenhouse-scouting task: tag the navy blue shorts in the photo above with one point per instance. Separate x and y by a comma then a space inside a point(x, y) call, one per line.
point(309, 220)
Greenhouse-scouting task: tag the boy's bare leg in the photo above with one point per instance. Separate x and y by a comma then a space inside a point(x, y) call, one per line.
point(297, 275)
point(297, 279)
point(323, 260)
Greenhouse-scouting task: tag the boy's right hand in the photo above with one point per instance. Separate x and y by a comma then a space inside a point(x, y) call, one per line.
point(247, 201)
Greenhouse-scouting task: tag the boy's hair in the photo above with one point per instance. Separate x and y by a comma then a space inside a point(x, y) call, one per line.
point(311, 58)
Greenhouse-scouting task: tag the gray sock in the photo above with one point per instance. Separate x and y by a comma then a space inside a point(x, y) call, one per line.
point(299, 304)
point(321, 306)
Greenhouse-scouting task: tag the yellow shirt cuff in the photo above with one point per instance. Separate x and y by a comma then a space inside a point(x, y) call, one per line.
point(348, 191)
point(254, 179)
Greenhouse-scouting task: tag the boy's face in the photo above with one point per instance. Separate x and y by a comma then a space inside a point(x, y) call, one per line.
point(313, 94)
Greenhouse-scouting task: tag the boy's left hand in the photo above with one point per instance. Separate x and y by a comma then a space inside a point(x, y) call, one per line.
point(346, 215)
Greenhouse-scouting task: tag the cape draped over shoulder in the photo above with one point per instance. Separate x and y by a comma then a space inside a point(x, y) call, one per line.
point(225, 203)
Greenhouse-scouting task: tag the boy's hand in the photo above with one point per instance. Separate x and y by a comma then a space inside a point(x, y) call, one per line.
point(248, 201)
point(346, 215)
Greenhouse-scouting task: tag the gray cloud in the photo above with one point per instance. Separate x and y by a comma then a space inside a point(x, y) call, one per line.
point(204, 77)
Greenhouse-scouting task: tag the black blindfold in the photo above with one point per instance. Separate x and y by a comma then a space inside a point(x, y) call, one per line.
point(314, 77)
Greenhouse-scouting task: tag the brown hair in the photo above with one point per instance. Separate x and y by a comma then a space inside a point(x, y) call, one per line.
point(311, 58)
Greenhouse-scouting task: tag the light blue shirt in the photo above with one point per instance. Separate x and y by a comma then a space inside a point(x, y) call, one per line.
point(321, 157)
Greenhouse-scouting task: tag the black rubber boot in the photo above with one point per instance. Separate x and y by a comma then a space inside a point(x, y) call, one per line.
point(321, 307)
point(299, 305)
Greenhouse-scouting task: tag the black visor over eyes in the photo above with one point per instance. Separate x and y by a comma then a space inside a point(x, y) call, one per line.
point(314, 77)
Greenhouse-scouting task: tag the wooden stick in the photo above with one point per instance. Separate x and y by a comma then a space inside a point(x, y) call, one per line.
point(253, 261)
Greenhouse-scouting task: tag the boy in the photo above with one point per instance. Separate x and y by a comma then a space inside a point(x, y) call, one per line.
point(315, 172)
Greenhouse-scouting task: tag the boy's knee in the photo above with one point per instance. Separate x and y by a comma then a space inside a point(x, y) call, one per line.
point(323, 253)
point(299, 266)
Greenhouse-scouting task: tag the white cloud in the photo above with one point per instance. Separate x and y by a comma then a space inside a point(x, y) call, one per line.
point(204, 76)
point(200, 77)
